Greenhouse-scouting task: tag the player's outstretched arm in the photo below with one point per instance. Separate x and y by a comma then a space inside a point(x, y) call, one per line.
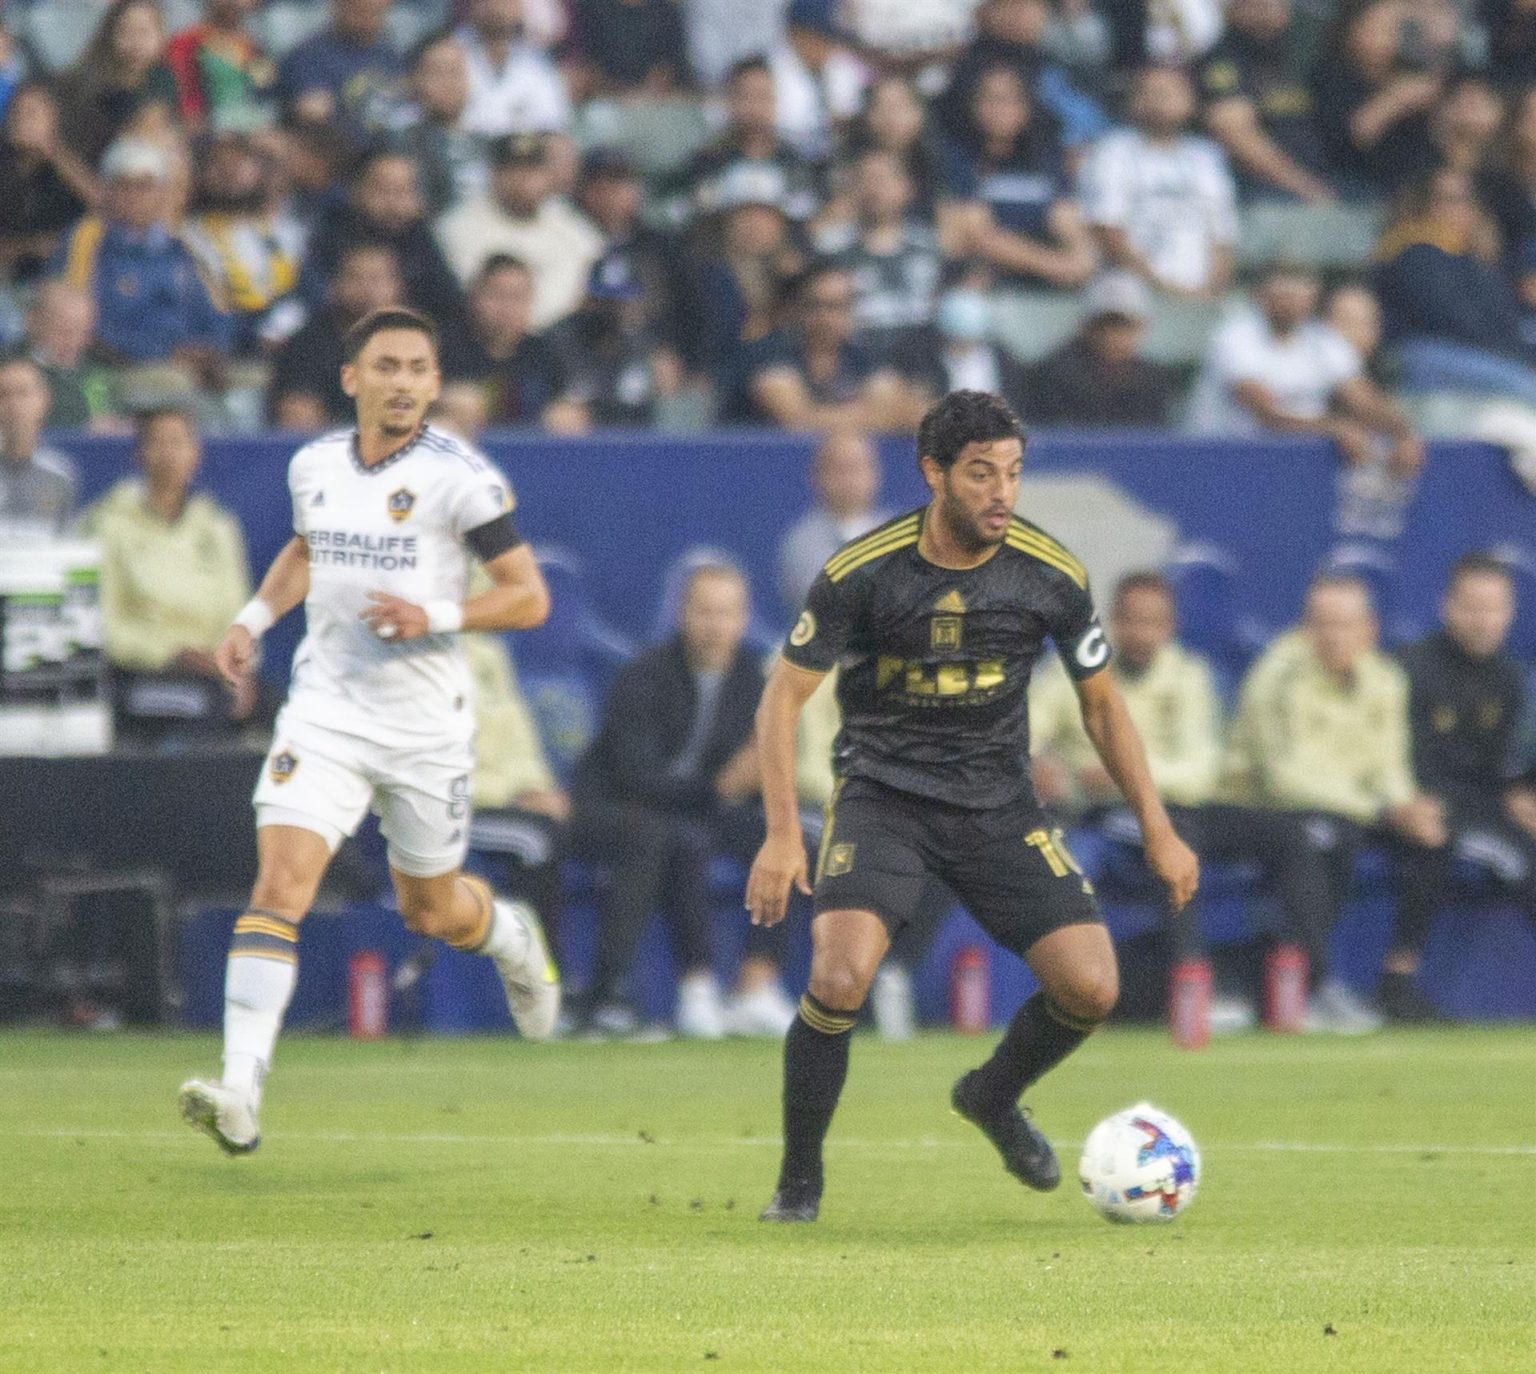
point(284, 587)
point(780, 863)
point(1119, 747)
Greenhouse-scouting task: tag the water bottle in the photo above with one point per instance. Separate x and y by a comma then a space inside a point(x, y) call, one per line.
point(367, 996)
point(1189, 1004)
point(1285, 988)
point(970, 991)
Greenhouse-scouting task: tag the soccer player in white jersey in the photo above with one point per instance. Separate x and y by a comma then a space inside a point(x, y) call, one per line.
point(379, 714)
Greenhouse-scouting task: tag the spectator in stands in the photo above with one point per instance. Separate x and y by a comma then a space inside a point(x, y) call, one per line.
point(1375, 85)
point(611, 196)
point(670, 780)
point(384, 207)
point(173, 575)
point(1259, 104)
point(741, 258)
point(1464, 125)
point(845, 486)
point(60, 322)
point(750, 136)
point(1005, 163)
point(818, 81)
point(1511, 43)
point(153, 310)
point(251, 262)
point(963, 355)
point(1353, 312)
point(522, 377)
point(520, 810)
point(1098, 379)
point(1276, 366)
point(628, 47)
point(43, 185)
point(305, 391)
point(616, 368)
point(1171, 696)
point(894, 120)
point(1321, 730)
point(524, 217)
point(893, 258)
point(1009, 32)
point(1508, 189)
point(335, 75)
point(724, 33)
point(37, 484)
point(452, 160)
point(810, 375)
point(513, 85)
point(1451, 315)
point(120, 74)
point(1467, 698)
point(1160, 198)
point(222, 76)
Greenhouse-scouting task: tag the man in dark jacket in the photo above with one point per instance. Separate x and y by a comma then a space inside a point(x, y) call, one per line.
point(1466, 703)
point(671, 780)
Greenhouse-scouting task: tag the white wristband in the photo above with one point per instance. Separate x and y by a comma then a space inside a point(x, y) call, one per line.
point(444, 617)
point(256, 616)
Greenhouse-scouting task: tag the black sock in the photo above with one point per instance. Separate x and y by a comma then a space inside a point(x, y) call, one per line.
point(815, 1065)
point(1038, 1038)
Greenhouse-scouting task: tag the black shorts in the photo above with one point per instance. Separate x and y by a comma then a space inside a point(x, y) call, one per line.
point(1009, 866)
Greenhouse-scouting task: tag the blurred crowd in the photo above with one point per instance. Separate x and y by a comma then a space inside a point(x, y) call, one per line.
point(810, 214)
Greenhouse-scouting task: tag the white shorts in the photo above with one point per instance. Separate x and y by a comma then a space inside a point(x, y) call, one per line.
point(325, 781)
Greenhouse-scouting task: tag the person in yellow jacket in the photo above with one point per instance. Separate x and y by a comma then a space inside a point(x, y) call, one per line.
point(174, 573)
point(520, 809)
point(1321, 732)
point(1173, 701)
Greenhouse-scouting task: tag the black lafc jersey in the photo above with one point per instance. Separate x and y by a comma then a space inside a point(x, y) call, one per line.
point(935, 662)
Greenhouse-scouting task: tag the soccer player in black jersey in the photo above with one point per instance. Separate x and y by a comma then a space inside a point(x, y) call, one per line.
point(935, 620)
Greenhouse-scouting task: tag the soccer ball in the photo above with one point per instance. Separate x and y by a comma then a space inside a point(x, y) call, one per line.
point(1139, 1165)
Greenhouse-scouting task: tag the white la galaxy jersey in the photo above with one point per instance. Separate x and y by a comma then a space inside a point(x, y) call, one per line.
point(406, 526)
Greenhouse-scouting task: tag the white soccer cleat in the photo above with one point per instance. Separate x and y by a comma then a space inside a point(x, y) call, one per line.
point(764, 1013)
point(529, 975)
point(223, 1113)
point(700, 1012)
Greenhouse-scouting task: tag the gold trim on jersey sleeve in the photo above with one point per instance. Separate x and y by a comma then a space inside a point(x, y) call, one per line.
point(1039, 545)
point(862, 549)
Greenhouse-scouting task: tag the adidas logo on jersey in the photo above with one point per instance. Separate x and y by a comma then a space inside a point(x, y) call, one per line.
point(318, 499)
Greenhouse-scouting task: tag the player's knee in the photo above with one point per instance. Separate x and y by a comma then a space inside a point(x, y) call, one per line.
point(1091, 995)
point(283, 888)
point(841, 985)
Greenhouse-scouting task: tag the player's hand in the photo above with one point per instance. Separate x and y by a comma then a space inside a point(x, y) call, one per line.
point(1175, 865)
point(780, 864)
point(235, 658)
point(389, 617)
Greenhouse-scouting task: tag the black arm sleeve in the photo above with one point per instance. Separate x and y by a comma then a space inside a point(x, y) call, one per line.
point(493, 538)
point(821, 634)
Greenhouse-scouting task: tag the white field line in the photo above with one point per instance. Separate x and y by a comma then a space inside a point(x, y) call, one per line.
point(713, 1142)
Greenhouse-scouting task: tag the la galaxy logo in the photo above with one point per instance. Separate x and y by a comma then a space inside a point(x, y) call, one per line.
point(401, 503)
point(283, 766)
point(945, 628)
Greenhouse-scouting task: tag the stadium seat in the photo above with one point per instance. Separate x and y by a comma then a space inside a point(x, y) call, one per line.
point(1338, 235)
point(1030, 324)
point(1205, 580)
point(760, 635)
point(657, 136)
point(564, 666)
point(1180, 330)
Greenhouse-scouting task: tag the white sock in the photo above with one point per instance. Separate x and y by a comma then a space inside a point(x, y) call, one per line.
point(507, 938)
point(258, 983)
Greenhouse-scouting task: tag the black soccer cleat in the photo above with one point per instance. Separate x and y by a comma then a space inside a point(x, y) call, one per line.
point(799, 1201)
point(1027, 1154)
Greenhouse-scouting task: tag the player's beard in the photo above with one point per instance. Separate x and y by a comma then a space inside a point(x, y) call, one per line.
point(966, 530)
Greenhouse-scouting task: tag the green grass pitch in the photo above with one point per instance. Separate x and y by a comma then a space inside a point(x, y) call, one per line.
point(486, 1205)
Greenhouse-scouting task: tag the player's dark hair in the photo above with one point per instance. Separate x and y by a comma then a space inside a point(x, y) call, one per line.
point(392, 317)
point(1477, 565)
point(146, 419)
point(1142, 580)
point(965, 417)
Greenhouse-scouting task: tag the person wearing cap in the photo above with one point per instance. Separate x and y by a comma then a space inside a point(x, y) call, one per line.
point(522, 216)
point(152, 305)
point(1275, 367)
point(1097, 379)
point(750, 136)
point(513, 85)
point(818, 82)
point(615, 367)
point(452, 160)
